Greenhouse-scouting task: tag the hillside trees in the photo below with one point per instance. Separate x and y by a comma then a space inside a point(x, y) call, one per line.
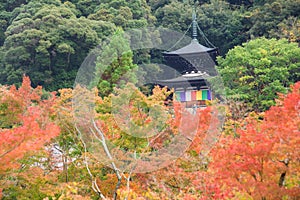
point(255, 72)
point(126, 14)
point(134, 14)
point(48, 42)
point(224, 27)
point(175, 15)
point(276, 18)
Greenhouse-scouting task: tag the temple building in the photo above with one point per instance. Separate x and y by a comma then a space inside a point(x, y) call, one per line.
point(195, 63)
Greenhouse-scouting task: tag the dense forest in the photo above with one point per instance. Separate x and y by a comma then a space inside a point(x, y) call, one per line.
point(53, 146)
point(48, 40)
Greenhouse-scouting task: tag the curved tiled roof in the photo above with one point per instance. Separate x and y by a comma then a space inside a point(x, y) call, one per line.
point(192, 48)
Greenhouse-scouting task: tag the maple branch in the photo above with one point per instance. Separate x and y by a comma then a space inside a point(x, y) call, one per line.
point(94, 182)
point(14, 147)
point(127, 183)
point(281, 179)
point(117, 171)
point(283, 175)
point(57, 148)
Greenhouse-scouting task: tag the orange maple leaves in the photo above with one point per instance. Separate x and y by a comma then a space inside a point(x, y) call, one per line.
point(30, 128)
point(262, 159)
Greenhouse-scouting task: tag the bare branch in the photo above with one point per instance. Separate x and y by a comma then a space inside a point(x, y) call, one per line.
point(117, 171)
point(94, 182)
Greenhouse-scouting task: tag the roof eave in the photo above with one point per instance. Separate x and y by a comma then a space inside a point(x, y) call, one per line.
point(189, 53)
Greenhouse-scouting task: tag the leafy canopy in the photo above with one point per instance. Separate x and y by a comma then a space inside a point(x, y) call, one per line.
point(28, 116)
point(256, 71)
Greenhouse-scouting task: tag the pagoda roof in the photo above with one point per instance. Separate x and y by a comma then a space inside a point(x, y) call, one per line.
point(193, 48)
point(184, 78)
point(185, 81)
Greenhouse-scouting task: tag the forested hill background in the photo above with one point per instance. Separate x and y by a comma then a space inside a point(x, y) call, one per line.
point(48, 39)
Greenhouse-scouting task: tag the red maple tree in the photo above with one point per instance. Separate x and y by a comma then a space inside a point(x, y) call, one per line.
point(262, 159)
point(30, 122)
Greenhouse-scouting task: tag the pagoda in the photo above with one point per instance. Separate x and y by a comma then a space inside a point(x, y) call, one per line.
point(195, 63)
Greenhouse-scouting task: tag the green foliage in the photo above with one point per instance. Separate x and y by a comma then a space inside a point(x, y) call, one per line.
point(48, 43)
point(267, 18)
point(155, 4)
point(258, 70)
point(115, 65)
point(126, 14)
point(175, 15)
point(8, 116)
point(288, 28)
point(222, 25)
point(29, 191)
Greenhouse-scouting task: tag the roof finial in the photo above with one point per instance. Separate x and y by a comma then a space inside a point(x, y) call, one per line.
point(194, 35)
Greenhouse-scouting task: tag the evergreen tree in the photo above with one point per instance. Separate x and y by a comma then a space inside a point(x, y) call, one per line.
point(114, 66)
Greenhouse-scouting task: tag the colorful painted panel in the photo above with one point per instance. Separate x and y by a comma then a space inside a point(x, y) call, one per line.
point(182, 96)
point(193, 95)
point(209, 95)
point(204, 95)
point(188, 96)
point(199, 95)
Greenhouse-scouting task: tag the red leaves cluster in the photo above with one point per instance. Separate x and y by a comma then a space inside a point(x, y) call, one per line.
point(262, 159)
point(31, 128)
